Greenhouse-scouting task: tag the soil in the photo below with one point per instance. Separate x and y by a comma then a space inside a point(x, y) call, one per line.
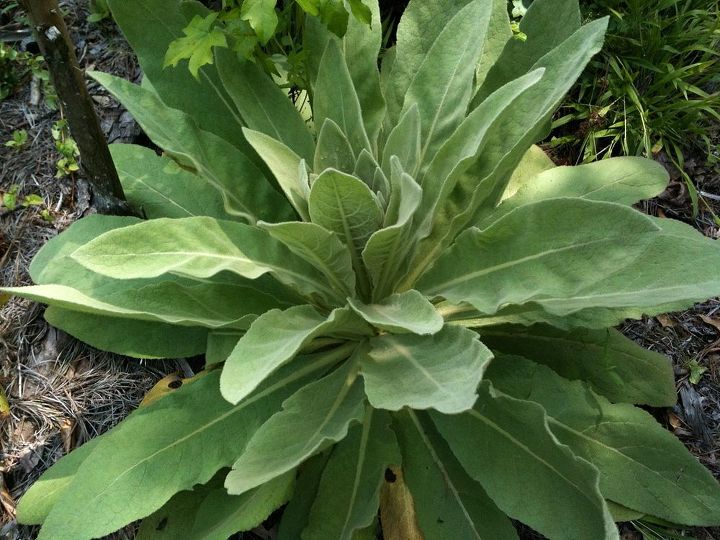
point(61, 392)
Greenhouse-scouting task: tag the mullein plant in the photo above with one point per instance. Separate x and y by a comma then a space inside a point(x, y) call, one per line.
point(405, 309)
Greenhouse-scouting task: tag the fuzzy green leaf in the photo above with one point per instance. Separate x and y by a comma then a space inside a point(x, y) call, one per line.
point(404, 142)
point(204, 99)
point(613, 365)
point(448, 503)
point(551, 249)
point(349, 492)
point(209, 512)
point(442, 86)
point(409, 312)
point(547, 24)
point(622, 180)
point(126, 477)
point(386, 251)
point(159, 187)
point(274, 339)
point(642, 465)
point(246, 193)
point(439, 372)
point(333, 150)
point(321, 248)
point(336, 99)
point(507, 446)
point(345, 205)
point(497, 36)
point(199, 248)
point(35, 505)
point(263, 105)
point(285, 165)
point(139, 339)
point(419, 28)
point(361, 47)
point(319, 413)
point(534, 162)
point(444, 195)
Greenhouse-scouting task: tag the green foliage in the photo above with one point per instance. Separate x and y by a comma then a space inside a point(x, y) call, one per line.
point(405, 283)
point(655, 85)
point(19, 139)
point(262, 30)
point(66, 147)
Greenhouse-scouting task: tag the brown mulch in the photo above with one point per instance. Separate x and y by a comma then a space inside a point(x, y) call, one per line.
point(62, 393)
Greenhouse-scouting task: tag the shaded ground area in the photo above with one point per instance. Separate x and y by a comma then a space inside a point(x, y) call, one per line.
point(61, 393)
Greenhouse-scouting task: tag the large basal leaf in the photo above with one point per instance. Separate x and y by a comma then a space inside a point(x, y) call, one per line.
point(204, 99)
point(441, 372)
point(532, 164)
point(443, 84)
point(139, 339)
point(646, 284)
point(361, 47)
point(208, 512)
point(296, 514)
point(316, 415)
point(263, 105)
point(159, 187)
point(35, 505)
point(127, 477)
point(642, 465)
point(274, 339)
point(498, 34)
point(613, 365)
point(546, 24)
point(408, 312)
point(345, 205)
point(622, 180)
point(553, 249)
point(507, 446)
point(199, 248)
point(336, 99)
point(321, 248)
point(386, 251)
point(349, 492)
point(526, 123)
point(419, 28)
point(448, 503)
point(246, 192)
point(649, 284)
point(285, 165)
point(442, 197)
point(210, 305)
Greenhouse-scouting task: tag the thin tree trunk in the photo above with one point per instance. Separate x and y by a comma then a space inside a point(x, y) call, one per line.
point(67, 77)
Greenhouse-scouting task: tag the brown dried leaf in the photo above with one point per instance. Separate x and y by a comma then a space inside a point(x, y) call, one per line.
point(712, 322)
point(665, 321)
point(397, 509)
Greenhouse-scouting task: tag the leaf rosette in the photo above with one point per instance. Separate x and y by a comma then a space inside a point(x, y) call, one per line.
point(405, 283)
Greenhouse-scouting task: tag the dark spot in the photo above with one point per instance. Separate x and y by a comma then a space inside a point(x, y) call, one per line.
point(174, 385)
point(162, 524)
point(390, 476)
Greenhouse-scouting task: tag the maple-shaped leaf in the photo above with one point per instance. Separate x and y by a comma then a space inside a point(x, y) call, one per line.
point(197, 45)
point(261, 16)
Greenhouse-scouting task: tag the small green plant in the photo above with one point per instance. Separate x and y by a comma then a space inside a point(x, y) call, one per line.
point(19, 139)
point(405, 309)
point(10, 199)
point(67, 147)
